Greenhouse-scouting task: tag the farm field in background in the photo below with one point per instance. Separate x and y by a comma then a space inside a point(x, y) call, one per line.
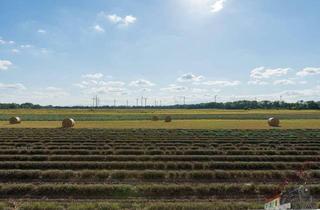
point(153, 169)
point(175, 124)
point(146, 114)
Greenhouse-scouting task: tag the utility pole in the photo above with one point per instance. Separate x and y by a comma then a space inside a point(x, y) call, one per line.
point(215, 99)
point(141, 101)
point(93, 102)
point(127, 103)
point(160, 103)
point(137, 102)
point(184, 100)
point(145, 102)
point(98, 101)
point(114, 102)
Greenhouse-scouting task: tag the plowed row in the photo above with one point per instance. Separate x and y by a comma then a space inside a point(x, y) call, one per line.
point(162, 166)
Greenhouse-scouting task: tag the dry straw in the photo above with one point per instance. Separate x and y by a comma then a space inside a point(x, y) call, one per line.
point(68, 123)
point(168, 119)
point(273, 122)
point(15, 120)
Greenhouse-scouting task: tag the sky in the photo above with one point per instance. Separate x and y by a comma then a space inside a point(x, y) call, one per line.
point(66, 52)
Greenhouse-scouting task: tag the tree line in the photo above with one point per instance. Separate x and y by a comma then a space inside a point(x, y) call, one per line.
point(243, 104)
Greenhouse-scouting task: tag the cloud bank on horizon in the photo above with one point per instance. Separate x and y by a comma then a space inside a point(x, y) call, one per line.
point(68, 52)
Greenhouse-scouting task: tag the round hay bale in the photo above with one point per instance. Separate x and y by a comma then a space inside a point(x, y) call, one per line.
point(155, 118)
point(168, 119)
point(68, 123)
point(15, 120)
point(273, 122)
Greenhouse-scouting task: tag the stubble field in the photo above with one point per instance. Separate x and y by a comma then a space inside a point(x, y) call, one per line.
point(141, 164)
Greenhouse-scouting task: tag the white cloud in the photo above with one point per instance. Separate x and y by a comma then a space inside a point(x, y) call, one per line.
point(93, 76)
point(308, 71)
point(175, 88)
point(15, 50)
point(314, 92)
point(115, 19)
point(112, 83)
point(264, 73)
point(5, 64)
point(14, 86)
point(257, 82)
point(189, 77)
point(53, 88)
point(198, 90)
point(95, 85)
point(24, 46)
point(98, 28)
point(284, 82)
point(42, 31)
point(2, 41)
point(141, 83)
point(50, 92)
point(217, 6)
point(129, 19)
point(222, 83)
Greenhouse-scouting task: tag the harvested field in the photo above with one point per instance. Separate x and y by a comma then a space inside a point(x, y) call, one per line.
point(147, 114)
point(175, 124)
point(153, 169)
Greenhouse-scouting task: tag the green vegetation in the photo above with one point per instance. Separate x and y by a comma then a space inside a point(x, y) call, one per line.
point(244, 104)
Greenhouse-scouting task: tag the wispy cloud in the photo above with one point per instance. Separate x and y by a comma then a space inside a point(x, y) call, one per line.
point(189, 77)
point(25, 46)
point(93, 76)
point(175, 88)
point(217, 6)
point(141, 83)
point(284, 82)
point(308, 71)
point(13, 86)
point(222, 83)
point(118, 20)
point(42, 31)
point(15, 50)
point(265, 73)
point(98, 28)
point(2, 41)
point(5, 64)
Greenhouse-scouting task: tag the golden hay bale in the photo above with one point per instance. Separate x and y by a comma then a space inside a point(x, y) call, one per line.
point(155, 118)
point(273, 122)
point(68, 123)
point(15, 120)
point(168, 119)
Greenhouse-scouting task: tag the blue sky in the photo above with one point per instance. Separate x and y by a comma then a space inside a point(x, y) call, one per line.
point(65, 52)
